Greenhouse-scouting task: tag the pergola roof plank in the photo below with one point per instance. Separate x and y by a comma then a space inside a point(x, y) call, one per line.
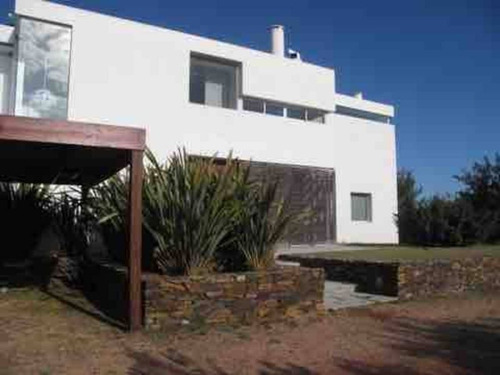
point(71, 133)
point(62, 152)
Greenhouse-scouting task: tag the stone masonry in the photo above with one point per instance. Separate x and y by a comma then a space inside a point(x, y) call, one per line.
point(232, 298)
point(407, 280)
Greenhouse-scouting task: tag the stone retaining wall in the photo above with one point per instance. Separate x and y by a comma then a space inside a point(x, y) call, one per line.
point(420, 279)
point(370, 277)
point(232, 298)
point(408, 280)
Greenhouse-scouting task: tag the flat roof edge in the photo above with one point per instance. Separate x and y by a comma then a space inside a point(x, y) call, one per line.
point(364, 105)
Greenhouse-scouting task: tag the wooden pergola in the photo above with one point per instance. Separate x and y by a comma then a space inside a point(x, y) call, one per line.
point(74, 153)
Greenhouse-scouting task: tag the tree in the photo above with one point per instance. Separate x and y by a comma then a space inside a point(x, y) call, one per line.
point(482, 192)
point(408, 201)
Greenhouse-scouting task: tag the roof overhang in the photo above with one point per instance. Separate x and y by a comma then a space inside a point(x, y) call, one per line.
point(364, 105)
point(63, 152)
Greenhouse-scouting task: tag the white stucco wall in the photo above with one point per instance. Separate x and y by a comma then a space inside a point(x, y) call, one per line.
point(127, 73)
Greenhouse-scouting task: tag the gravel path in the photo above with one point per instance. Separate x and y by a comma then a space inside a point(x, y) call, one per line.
point(343, 295)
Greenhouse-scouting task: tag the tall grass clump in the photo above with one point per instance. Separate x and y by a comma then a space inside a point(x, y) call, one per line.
point(262, 222)
point(107, 204)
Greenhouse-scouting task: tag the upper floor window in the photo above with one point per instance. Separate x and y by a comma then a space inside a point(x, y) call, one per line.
point(283, 110)
point(275, 109)
point(43, 69)
point(212, 82)
point(253, 105)
point(315, 115)
point(296, 112)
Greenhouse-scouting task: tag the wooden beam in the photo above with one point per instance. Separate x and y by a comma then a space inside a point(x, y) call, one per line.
point(26, 129)
point(135, 239)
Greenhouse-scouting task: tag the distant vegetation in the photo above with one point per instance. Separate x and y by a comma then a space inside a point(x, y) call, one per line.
point(472, 215)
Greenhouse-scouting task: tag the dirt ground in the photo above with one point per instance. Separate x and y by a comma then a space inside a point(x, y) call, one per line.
point(456, 335)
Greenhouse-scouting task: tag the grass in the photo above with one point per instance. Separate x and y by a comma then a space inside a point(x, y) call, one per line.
point(409, 253)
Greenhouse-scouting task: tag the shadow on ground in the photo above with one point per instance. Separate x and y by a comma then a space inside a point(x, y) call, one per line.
point(174, 363)
point(468, 347)
point(411, 347)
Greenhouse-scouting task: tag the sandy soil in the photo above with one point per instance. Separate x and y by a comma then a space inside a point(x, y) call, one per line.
point(456, 335)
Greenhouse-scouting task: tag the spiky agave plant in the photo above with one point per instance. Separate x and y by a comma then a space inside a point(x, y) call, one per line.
point(70, 221)
point(263, 221)
point(188, 211)
point(107, 203)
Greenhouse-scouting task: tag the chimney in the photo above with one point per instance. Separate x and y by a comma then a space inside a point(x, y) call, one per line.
point(278, 40)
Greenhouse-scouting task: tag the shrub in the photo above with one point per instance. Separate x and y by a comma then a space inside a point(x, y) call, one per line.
point(189, 212)
point(70, 222)
point(262, 222)
point(198, 216)
point(481, 192)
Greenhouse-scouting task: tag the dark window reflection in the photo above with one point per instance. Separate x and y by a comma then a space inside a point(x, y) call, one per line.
point(43, 69)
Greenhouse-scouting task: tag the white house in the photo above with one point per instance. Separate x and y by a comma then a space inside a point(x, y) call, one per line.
point(337, 153)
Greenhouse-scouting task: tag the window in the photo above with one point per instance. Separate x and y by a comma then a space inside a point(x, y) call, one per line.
point(296, 112)
point(361, 207)
point(212, 82)
point(253, 105)
point(274, 109)
point(43, 69)
point(315, 115)
point(278, 109)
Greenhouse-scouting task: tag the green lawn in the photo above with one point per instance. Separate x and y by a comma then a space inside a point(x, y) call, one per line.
point(408, 253)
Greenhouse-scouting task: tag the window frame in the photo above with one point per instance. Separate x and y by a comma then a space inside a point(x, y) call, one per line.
point(16, 107)
point(369, 208)
point(221, 62)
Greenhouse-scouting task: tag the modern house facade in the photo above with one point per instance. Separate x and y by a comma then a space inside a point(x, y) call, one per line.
point(336, 153)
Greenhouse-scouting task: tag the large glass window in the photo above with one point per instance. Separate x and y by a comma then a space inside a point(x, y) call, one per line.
point(43, 69)
point(212, 82)
point(361, 207)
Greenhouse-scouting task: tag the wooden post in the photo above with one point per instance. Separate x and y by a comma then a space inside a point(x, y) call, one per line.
point(135, 239)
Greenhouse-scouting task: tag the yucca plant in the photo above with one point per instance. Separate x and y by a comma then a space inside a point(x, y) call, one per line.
point(108, 204)
point(188, 210)
point(25, 211)
point(262, 222)
point(70, 221)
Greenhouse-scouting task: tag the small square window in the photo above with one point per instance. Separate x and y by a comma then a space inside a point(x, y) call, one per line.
point(274, 109)
point(253, 105)
point(296, 112)
point(361, 207)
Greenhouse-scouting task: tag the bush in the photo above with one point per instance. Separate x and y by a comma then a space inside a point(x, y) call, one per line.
point(262, 222)
point(188, 210)
point(198, 216)
point(472, 215)
point(481, 192)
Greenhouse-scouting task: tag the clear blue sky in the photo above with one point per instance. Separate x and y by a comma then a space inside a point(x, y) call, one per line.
point(437, 61)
